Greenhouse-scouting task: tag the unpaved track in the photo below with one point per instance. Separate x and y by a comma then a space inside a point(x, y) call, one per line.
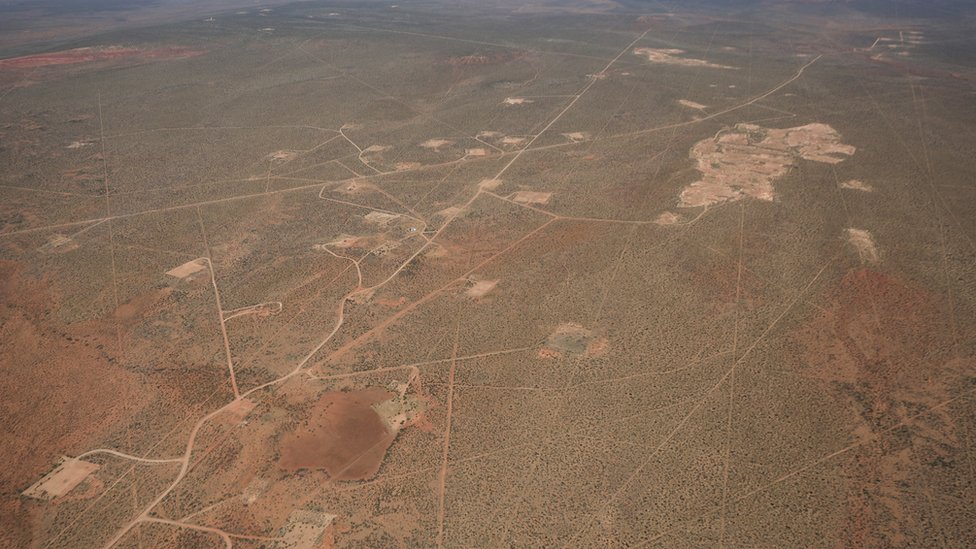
point(144, 515)
point(220, 308)
point(125, 456)
point(318, 183)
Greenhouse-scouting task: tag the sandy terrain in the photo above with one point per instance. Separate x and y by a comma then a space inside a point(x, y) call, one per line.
point(63, 479)
point(576, 136)
point(60, 243)
point(436, 144)
point(450, 275)
point(570, 338)
point(671, 57)
point(531, 197)
point(188, 269)
point(856, 185)
point(380, 218)
point(480, 288)
point(238, 410)
point(692, 104)
point(862, 241)
point(489, 184)
point(513, 141)
point(746, 161)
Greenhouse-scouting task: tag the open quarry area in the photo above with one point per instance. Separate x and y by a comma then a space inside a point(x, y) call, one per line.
point(580, 273)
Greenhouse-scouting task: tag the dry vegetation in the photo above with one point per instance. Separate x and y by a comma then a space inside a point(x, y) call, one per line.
point(463, 277)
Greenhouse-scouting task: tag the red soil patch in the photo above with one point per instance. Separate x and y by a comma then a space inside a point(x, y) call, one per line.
point(717, 280)
point(546, 353)
point(876, 333)
point(70, 390)
point(345, 436)
point(140, 306)
point(598, 347)
point(88, 55)
point(884, 351)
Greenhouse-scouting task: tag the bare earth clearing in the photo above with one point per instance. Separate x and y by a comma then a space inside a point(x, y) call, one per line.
point(673, 57)
point(745, 161)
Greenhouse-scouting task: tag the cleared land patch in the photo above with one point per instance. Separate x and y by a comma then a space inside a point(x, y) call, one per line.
point(746, 160)
point(667, 218)
point(59, 243)
point(489, 184)
point(862, 241)
point(237, 411)
point(576, 136)
point(349, 432)
point(436, 144)
point(449, 212)
point(531, 197)
point(573, 339)
point(380, 218)
point(341, 241)
point(305, 530)
point(669, 57)
point(692, 104)
point(400, 411)
point(480, 288)
point(189, 269)
point(856, 185)
point(63, 479)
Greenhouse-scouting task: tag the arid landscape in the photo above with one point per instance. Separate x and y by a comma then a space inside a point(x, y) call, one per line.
point(582, 273)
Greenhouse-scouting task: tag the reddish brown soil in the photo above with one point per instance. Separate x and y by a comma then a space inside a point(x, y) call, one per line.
point(344, 436)
point(875, 333)
point(69, 388)
point(87, 55)
point(719, 281)
point(883, 349)
point(68, 57)
point(140, 306)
